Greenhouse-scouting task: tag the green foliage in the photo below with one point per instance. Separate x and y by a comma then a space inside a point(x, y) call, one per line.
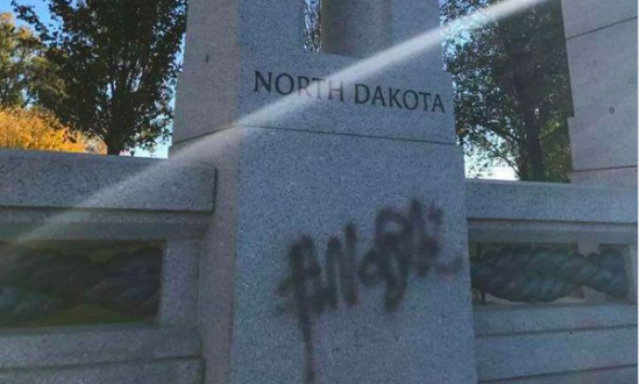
point(512, 89)
point(36, 129)
point(118, 60)
point(25, 75)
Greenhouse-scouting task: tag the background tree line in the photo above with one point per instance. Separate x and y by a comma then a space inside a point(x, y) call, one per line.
point(108, 69)
point(511, 83)
point(512, 89)
point(104, 68)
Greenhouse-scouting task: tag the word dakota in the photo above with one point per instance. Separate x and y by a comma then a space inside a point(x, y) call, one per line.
point(323, 89)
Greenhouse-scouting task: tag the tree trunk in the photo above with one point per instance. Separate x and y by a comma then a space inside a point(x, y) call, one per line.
point(532, 144)
point(114, 151)
point(522, 168)
point(114, 146)
point(532, 128)
point(536, 158)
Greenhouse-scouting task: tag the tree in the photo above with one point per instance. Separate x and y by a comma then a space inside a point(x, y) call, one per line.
point(118, 60)
point(512, 89)
point(36, 129)
point(312, 25)
point(25, 75)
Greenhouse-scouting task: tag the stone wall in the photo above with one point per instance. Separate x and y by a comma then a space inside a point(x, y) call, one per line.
point(602, 41)
point(520, 344)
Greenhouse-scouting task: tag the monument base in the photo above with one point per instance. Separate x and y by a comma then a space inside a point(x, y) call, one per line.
point(335, 259)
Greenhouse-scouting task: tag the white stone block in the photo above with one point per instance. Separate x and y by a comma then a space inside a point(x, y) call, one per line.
point(619, 177)
point(604, 75)
point(245, 64)
point(278, 186)
point(517, 356)
point(583, 16)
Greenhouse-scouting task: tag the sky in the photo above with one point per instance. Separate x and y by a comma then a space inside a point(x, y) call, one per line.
point(39, 6)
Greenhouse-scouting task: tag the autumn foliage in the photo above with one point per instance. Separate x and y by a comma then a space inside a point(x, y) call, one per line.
point(34, 129)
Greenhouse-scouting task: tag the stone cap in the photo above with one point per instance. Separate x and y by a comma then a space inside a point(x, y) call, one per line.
point(64, 180)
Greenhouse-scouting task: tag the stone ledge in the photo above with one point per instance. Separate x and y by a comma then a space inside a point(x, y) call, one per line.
point(529, 201)
point(40, 348)
point(502, 320)
point(183, 371)
point(618, 375)
point(63, 180)
point(516, 356)
point(518, 232)
point(91, 224)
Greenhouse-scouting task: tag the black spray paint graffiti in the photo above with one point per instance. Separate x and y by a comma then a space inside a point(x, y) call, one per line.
point(402, 242)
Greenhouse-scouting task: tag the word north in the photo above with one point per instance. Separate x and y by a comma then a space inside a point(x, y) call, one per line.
point(357, 93)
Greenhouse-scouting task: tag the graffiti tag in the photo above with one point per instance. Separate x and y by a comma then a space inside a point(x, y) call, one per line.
point(402, 242)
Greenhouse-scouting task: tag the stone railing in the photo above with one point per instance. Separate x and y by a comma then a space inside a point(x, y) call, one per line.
point(77, 198)
point(590, 341)
point(60, 197)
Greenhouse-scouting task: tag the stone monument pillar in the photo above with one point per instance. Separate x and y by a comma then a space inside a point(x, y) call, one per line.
point(602, 42)
point(355, 28)
point(602, 48)
point(337, 252)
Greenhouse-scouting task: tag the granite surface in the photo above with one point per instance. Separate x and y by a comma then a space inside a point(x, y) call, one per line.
point(289, 184)
point(620, 375)
point(584, 16)
point(604, 76)
point(63, 180)
point(516, 356)
point(159, 372)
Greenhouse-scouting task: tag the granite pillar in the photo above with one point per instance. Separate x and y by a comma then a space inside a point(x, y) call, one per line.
point(338, 249)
